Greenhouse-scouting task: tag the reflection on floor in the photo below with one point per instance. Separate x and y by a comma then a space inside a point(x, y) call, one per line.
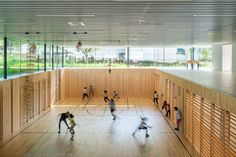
point(96, 134)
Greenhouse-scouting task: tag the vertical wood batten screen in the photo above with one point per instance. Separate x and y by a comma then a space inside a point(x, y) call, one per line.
point(173, 104)
point(230, 142)
point(171, 98)
point(196, 121)
point(188, 116)
point(210, 129)
point(205, 128)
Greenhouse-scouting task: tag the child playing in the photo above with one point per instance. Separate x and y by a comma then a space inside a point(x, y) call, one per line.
point(143, 125)
point(85, 94)
point(115, 95)
point(72, 125)
point(155, 97)
point(112, 108)
point(178, 117)
point(63, 117)
point(164, 106)
point(168, 110)
point(91, 91)
point(105, 95)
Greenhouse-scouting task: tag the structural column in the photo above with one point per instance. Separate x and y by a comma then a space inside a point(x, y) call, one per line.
point(234, 56)
point(57, 61)
point(62, 59)
point(217, 57)
point(128, 49)
point(52, 57)
point(45, 57)
point(5, 58)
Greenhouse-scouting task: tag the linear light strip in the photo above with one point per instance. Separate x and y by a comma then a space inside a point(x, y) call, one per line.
point(18, 23)
point(89, 15)
point(214, 15)
point(82, 24)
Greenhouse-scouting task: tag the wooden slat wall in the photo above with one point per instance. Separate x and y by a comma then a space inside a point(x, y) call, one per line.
point(209, 119)
point(172, 98)
point(22, 101)
point(210, 129)
point(196, 121)
point(5, 104)
point(127, 82)
point(162, 90)
point(223, 100)
point(230, 134)
point(188, 116)
point(205, 141)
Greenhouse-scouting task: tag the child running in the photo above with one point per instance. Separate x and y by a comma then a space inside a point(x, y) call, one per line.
point(85, 94)
point(72, 125)
point(143, 125)
point(112, 106)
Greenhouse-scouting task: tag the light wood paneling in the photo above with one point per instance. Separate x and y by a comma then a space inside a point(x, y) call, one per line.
point(207, 126)
point(6, 116)
point(221, 99)
point(208, 115)
point(127, 82)
point(63, 84)
point(22, 101)
point(210, 129)
point(16, 90)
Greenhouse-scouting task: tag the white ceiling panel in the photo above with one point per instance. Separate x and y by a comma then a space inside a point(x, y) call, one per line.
point(119, 22)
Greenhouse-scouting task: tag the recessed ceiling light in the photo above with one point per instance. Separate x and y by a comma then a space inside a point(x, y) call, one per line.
point(70, 23)
point(74, 32)
point(26, 32)
point(103, 42)
point(37, 32)
point(61, 15)
point(141, 21)
point(135, 38)
point(82, 24)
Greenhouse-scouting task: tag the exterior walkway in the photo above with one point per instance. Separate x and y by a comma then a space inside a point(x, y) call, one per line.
point(221, 81)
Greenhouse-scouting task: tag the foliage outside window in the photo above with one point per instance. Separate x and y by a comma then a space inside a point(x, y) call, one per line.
point(28, 56)
point(95, 57)
point(24, 57)
point(1, 57)
point(14, 58)
point(140, 57)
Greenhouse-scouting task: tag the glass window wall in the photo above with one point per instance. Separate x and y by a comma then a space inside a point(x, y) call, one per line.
point(1, 57)
point(26, 56)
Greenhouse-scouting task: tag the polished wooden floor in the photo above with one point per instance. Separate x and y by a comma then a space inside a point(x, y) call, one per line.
point(97, 135)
